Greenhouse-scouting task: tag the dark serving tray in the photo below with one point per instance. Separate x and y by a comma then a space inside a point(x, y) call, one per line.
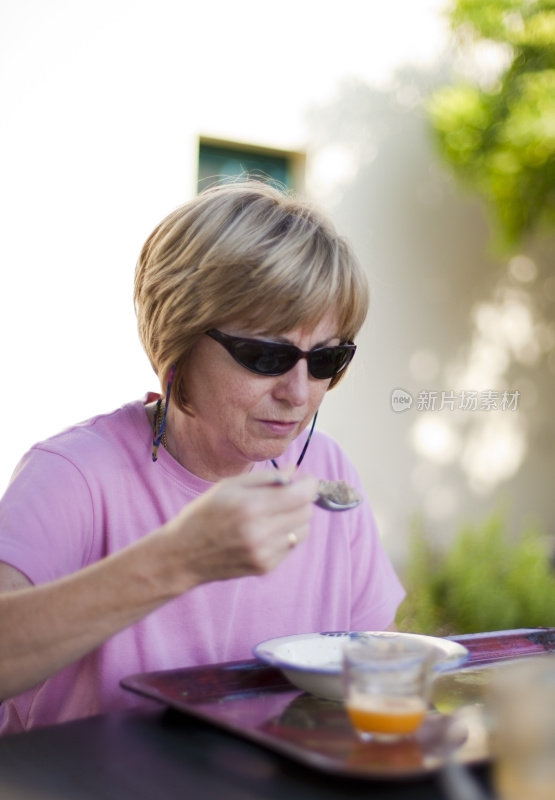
point(256, 701)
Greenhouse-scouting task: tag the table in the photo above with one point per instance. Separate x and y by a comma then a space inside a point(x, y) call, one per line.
point(165, 755)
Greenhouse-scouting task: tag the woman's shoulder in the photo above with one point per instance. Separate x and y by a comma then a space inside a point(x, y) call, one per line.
point(109, 432)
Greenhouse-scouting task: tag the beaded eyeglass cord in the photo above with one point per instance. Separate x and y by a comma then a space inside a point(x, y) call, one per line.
point(159, 423)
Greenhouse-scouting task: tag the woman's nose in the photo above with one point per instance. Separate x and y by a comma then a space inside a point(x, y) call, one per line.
point(294, 385)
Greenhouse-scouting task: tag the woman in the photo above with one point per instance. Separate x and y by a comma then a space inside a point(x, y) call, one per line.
point(162, 535)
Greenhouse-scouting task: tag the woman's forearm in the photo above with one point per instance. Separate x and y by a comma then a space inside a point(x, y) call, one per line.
point(44, 628)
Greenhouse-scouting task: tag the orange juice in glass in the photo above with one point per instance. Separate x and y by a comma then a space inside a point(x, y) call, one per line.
point(386, 681)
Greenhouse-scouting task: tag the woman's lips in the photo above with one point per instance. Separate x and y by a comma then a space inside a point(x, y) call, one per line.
point(281, 428)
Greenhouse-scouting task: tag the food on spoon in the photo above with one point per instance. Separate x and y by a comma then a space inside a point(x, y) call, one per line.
point(339, 492)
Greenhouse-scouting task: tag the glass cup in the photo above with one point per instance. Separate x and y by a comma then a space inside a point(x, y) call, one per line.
point(521, 703)
point(386, 685)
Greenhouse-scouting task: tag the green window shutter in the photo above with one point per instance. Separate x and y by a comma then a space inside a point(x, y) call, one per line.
point(218, 162)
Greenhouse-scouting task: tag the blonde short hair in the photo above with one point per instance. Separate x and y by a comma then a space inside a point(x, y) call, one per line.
point(242, 253)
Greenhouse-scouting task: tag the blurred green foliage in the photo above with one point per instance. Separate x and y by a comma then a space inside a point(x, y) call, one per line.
point(486, 581)
point(500, 138)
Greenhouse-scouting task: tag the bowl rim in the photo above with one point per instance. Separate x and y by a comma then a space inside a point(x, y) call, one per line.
point(450, 661)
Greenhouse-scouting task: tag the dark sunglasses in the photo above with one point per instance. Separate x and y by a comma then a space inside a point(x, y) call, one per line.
point(274, 358)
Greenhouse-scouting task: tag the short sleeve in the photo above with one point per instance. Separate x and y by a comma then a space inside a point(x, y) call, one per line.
point(376, 588)
point(46, 517)
point(370, 581)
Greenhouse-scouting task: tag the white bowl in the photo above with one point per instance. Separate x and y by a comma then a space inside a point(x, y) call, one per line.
point(313, 661)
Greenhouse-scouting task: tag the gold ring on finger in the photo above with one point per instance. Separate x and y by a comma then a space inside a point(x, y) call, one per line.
point(292, 539)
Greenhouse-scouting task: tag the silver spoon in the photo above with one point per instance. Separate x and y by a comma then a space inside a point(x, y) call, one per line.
point(337, 496)
point(332, 495)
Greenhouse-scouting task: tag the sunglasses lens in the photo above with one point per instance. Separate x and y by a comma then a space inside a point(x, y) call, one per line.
point(264, 357)
point(327, 362)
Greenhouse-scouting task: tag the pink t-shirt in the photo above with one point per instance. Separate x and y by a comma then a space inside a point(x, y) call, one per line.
point(93, 489)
